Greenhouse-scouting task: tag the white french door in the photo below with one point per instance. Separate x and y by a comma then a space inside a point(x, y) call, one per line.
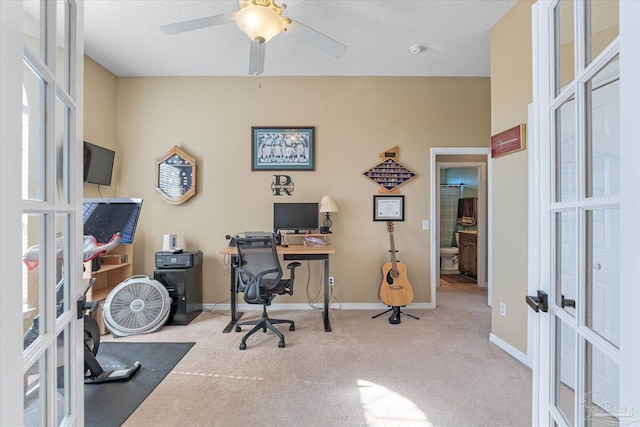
point(41, 352)
point(583, 374)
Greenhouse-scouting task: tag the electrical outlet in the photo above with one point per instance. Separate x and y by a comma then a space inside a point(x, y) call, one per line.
point(330, 280)
point(503, 309)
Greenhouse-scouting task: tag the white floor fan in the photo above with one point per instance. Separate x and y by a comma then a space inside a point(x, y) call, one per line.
point(261, 20)
point(136, 306)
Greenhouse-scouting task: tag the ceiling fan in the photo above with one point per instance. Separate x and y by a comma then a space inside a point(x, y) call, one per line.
point(261, 20)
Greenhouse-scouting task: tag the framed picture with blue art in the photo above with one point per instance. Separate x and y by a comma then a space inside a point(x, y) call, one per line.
point(282, 148)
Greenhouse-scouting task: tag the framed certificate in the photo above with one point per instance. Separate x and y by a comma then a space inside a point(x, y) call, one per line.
point(388, 208)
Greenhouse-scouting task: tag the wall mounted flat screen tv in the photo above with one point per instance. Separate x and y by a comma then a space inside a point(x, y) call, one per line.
point(102, 218)
point(295, 216)
point(98, 164)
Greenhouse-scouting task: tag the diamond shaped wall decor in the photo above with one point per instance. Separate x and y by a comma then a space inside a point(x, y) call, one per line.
point(389, 174)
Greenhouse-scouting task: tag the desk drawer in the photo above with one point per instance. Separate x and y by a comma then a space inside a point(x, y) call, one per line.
point(305, 257)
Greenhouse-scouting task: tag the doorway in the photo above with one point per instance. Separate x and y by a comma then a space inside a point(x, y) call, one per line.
point(476, 159)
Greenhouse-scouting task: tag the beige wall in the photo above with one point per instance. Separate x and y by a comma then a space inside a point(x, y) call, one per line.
point(510, 95)
point(355, 118)
point(100, 104)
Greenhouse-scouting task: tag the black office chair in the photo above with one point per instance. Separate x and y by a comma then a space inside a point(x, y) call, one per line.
point(259, 277)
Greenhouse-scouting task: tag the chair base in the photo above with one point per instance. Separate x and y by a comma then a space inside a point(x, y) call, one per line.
point(264, 323)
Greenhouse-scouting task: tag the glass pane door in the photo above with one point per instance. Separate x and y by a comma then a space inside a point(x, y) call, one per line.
point(51, 279)
point(578, 92)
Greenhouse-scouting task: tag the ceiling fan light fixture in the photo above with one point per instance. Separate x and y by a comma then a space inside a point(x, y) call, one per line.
point(260, 20)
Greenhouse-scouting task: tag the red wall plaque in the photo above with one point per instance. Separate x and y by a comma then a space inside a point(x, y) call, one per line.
point(508, 141)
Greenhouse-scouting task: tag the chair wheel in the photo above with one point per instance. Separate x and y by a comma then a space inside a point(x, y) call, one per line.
point(238, 329)
point(243, 346)
point(292, 328)
point(281, 344)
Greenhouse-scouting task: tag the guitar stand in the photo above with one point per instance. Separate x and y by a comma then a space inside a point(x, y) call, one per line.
point(394, 319)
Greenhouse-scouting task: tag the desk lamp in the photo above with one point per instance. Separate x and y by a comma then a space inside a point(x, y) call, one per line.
point(327, 205)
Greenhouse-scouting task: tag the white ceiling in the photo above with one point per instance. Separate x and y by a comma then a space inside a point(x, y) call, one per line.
point(124, 36)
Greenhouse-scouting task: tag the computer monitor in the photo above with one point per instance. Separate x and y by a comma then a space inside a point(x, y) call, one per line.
point(295, 217)
point(103, 218)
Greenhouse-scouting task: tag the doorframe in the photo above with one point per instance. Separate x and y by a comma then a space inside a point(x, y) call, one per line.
point(483, 235)
point(630, 203)
point(11, 40)
point(480, 168)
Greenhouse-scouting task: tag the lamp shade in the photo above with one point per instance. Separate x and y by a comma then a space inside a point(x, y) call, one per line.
point(260, 23)
point(328, 205)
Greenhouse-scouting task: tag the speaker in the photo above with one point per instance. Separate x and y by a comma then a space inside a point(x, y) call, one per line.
point(185, 289)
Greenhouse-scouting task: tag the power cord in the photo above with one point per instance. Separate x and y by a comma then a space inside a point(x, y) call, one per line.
point(331, 296)
point(226, 261)
point(312, 300)
point(210, 310)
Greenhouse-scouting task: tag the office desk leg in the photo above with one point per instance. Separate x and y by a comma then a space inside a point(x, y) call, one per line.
point(327, 324)
point(235, 314)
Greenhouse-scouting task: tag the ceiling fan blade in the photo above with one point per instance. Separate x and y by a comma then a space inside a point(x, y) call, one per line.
point(196, 24)
point(256, 59)
point(318, 40)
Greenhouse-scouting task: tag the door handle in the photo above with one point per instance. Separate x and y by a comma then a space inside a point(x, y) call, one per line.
point(80, 307)
point(564, 302)
point(539, 302)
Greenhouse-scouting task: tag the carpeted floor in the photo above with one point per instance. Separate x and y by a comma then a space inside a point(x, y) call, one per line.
point(440, 370)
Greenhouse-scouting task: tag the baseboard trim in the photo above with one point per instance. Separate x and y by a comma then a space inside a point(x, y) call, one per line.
point(316, 306)
point(511, 350)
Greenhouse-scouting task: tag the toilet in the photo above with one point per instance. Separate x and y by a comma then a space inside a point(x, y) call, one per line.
point(449, 259)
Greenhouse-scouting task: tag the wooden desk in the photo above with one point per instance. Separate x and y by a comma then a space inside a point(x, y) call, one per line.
point(290, 253)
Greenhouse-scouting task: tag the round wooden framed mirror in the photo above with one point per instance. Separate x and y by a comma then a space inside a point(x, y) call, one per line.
point(175, 176)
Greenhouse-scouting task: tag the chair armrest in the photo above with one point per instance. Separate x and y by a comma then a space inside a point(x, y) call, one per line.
point(241, 285)
point(293, 265)
point(292, 276)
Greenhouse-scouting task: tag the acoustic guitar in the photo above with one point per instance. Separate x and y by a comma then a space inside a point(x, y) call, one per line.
point(395, 290)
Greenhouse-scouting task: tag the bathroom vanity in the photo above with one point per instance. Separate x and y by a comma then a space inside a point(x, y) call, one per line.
point(468, 252)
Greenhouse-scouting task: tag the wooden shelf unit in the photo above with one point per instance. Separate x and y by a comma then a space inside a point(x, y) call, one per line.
point(107, 278)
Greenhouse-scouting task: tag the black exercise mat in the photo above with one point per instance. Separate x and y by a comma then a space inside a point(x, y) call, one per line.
point(110, 404)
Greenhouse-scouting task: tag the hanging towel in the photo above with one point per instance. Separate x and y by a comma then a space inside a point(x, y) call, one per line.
point(467, 210)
